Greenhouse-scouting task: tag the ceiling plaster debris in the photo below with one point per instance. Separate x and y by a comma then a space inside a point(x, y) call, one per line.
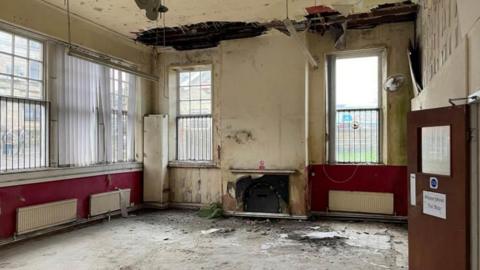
point(320, 19)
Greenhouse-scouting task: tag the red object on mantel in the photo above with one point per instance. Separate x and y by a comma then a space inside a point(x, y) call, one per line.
point(367, 178)
point(319, 10)
point(14, 197)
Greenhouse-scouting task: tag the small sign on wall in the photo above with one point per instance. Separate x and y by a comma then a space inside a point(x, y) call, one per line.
point(433, 183)
point(435, 204)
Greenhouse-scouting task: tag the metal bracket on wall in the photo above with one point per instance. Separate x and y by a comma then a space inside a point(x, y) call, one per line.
point(468, 100)
point(471, 99)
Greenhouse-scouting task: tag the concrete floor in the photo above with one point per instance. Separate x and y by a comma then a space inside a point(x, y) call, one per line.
point(181, 240)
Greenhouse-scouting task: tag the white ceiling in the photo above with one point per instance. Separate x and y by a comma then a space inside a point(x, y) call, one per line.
point(123, 16)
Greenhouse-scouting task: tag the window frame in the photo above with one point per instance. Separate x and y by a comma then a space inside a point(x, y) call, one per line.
point(29, 36)
point(331, 110)
point(43, 102)
point(193, 68)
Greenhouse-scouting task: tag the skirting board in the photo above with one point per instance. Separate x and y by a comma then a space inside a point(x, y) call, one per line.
point(197, 206)
point(362, 217)
point(186, 206)
point(153, 205)
point(264, 215)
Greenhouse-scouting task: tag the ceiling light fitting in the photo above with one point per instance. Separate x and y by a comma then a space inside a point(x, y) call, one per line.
point(153, 8)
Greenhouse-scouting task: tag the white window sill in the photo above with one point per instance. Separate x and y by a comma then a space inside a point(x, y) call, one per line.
point(193, 164)
point(56, 174)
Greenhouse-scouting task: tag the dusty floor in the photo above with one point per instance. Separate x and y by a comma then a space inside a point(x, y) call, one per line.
point(181, 240)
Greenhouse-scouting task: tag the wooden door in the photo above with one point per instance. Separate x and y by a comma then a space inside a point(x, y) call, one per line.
point(438, 167)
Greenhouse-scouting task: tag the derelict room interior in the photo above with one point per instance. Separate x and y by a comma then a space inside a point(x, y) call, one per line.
point(253, 134)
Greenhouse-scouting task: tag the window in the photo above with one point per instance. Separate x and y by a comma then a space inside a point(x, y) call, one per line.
point(95, 106)
point(21, 67)
point(194, 115)
point(120, 91)
point(23, 112)
point(96, 114)
point(354, 108)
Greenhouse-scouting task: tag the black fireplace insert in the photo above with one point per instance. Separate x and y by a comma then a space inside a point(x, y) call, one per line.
point(266, 194)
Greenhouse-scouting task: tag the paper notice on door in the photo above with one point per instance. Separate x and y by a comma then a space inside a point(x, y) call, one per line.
point(435, 204)
point(413, 189)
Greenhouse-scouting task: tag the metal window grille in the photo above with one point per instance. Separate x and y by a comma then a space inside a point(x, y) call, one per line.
point(119, 155)
point(23, 134)
point(194, 120)
point(194, 136)
point(357, 136)
point(119, 93)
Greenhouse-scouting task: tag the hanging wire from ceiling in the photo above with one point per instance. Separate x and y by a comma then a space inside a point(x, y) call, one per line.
point(165, 71)
point(164, 25)
point(286, 8)
point(163, 17)
point(69, 23)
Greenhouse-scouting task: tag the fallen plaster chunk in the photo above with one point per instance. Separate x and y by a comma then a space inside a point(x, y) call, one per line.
point(217, 230)
point(210, 231)
point(316, 236)
point(321, 235)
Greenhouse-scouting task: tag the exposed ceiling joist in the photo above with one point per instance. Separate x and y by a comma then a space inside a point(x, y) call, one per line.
point(209, 34)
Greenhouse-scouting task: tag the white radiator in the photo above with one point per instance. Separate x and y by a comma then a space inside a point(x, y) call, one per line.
point(361, 202)
point(107, 202)
point(47, 215)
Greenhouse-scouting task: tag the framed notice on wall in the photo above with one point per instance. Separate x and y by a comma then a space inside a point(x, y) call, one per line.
point(436, 150)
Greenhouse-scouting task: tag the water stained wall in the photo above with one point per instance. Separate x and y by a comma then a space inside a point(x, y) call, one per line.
point(258, 93)
point(260, 109)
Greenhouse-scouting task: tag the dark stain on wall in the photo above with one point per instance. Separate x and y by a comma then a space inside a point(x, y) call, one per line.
point(241, 136)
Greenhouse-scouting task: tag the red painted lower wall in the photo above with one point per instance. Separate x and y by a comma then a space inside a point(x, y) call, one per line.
point(369, 178)
point(14, 197)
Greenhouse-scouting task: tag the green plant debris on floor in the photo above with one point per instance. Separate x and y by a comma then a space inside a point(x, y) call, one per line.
point(213, 210)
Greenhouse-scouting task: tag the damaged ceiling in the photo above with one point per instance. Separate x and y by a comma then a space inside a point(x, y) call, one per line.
point(201, 35)
point(124, 17)
point(320, 19)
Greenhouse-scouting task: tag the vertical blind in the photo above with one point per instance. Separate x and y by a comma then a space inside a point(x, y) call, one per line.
point(96, 113)
point(77, 112)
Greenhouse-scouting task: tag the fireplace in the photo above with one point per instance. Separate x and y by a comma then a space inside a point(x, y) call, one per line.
point(268, 193)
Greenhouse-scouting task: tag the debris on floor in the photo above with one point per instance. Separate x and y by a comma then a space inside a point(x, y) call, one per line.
point(217, 230)
point(175, 239)
point(214, 210)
